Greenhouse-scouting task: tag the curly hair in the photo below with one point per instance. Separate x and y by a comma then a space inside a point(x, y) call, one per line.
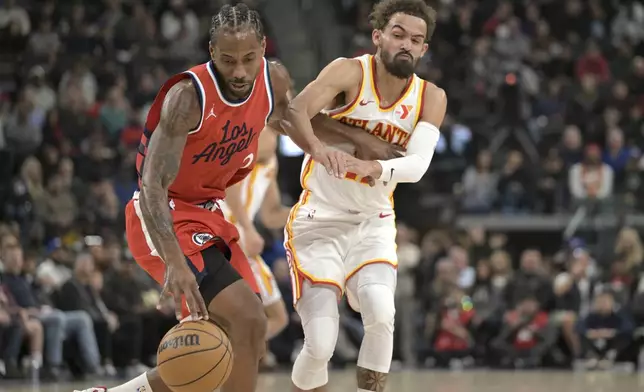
point(236, 18)
point(384, 10)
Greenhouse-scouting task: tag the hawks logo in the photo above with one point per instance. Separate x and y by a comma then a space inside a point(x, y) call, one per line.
point(201, 238)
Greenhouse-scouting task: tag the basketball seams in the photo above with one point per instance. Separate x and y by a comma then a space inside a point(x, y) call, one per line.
point(203, 375)
point(190, 353)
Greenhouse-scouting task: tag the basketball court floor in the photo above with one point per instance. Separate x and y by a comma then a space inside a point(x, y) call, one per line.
point(426, 381)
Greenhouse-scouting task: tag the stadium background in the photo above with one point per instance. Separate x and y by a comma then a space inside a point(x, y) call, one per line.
point(533, 196)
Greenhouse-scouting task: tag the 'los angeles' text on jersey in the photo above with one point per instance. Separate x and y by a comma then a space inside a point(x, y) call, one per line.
point(235, 139)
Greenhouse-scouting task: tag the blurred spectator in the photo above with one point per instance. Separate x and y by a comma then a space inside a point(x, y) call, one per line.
point(566, 308)
point(43, 42)
point(529, 281)
point(593, 63)
point(125, 299)
point(487, 299)
point(525, 336)
point(23, 129)
point(180, 28)
point(454, 342)
point(591, 179)
point(511, 45)
point(55, 270)
point(60, 206)
point(44, 97)
point(82, 292)
point(479, 185)
point(571, 148)
point(605, 332)
point(515, 185)
point(79, 77)
point(408, 258)
point(114, 113)
point(12, 332)
point(628, 247)
point(13, 14)
point(57, 324)
point(466, 273)
point(628, 24)
point(551, 183)
point(24, 204)
point(616, 154)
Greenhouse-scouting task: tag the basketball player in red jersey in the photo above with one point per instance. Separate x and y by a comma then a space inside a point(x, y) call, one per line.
point(201, 137)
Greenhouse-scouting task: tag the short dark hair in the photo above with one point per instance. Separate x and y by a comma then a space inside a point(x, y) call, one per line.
point(236, 18)
point(384, 10)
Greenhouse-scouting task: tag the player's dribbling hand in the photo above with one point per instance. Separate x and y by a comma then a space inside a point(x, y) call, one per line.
point(334, 161)
point(179, 280)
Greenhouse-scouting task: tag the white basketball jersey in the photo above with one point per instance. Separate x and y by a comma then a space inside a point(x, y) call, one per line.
point(253, 190)
point(394, 124)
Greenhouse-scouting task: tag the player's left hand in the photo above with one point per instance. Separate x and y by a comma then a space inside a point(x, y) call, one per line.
point(369, 148)
point(362, 168)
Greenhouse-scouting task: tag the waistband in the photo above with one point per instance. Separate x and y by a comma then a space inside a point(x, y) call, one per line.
point(210, 205)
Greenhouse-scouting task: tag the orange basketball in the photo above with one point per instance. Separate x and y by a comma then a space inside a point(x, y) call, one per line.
point(195, 356)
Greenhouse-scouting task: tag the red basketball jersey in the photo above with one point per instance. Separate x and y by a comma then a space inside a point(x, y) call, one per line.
point(223, 148)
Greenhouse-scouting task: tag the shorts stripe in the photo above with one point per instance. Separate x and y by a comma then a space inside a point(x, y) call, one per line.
point(144, 228)
point(299, 275)
point(394, 264)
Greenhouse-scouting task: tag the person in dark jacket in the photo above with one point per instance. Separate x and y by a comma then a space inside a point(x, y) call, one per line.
point(58, 325)
point(80, 293)
point(605, 332)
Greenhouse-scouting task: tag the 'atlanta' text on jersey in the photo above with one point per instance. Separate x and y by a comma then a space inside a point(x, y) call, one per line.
point(236, 138)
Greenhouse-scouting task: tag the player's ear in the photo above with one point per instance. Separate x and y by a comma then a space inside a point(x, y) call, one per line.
point(211, 49)
point(425, 47)
point(376, 37)
point(263, 46)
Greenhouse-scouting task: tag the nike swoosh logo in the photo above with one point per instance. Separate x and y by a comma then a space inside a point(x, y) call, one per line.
point(384, 215)
point(365, 103)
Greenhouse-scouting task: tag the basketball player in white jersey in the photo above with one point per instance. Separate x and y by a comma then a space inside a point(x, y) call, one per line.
point(258, 194)
point(340, 236)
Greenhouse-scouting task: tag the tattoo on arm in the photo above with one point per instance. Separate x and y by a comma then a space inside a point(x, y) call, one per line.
point(370, 380)
point(180, 113)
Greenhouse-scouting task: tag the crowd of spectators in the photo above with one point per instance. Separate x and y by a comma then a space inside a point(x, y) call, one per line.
point(562, 79)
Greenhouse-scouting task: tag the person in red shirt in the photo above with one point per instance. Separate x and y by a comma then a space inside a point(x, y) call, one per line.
point(525, 335)
point(201, 137)
point(594, 63)
point(453, 339)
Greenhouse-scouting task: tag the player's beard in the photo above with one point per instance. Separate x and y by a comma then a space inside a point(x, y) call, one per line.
point(399, 66)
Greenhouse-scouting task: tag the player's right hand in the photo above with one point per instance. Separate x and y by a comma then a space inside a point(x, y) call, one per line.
point(334, 161)
point(179, 281)
point(371, 148)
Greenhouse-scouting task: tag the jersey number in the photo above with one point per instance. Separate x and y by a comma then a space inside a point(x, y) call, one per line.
point(356, 178)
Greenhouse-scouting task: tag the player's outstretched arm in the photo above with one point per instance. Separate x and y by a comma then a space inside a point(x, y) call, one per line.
point(420, 149)
point(180, 113)
point(293, 116)
point(324, 128)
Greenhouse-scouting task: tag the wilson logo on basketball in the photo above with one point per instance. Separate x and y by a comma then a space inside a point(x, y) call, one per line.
point(180, 341)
